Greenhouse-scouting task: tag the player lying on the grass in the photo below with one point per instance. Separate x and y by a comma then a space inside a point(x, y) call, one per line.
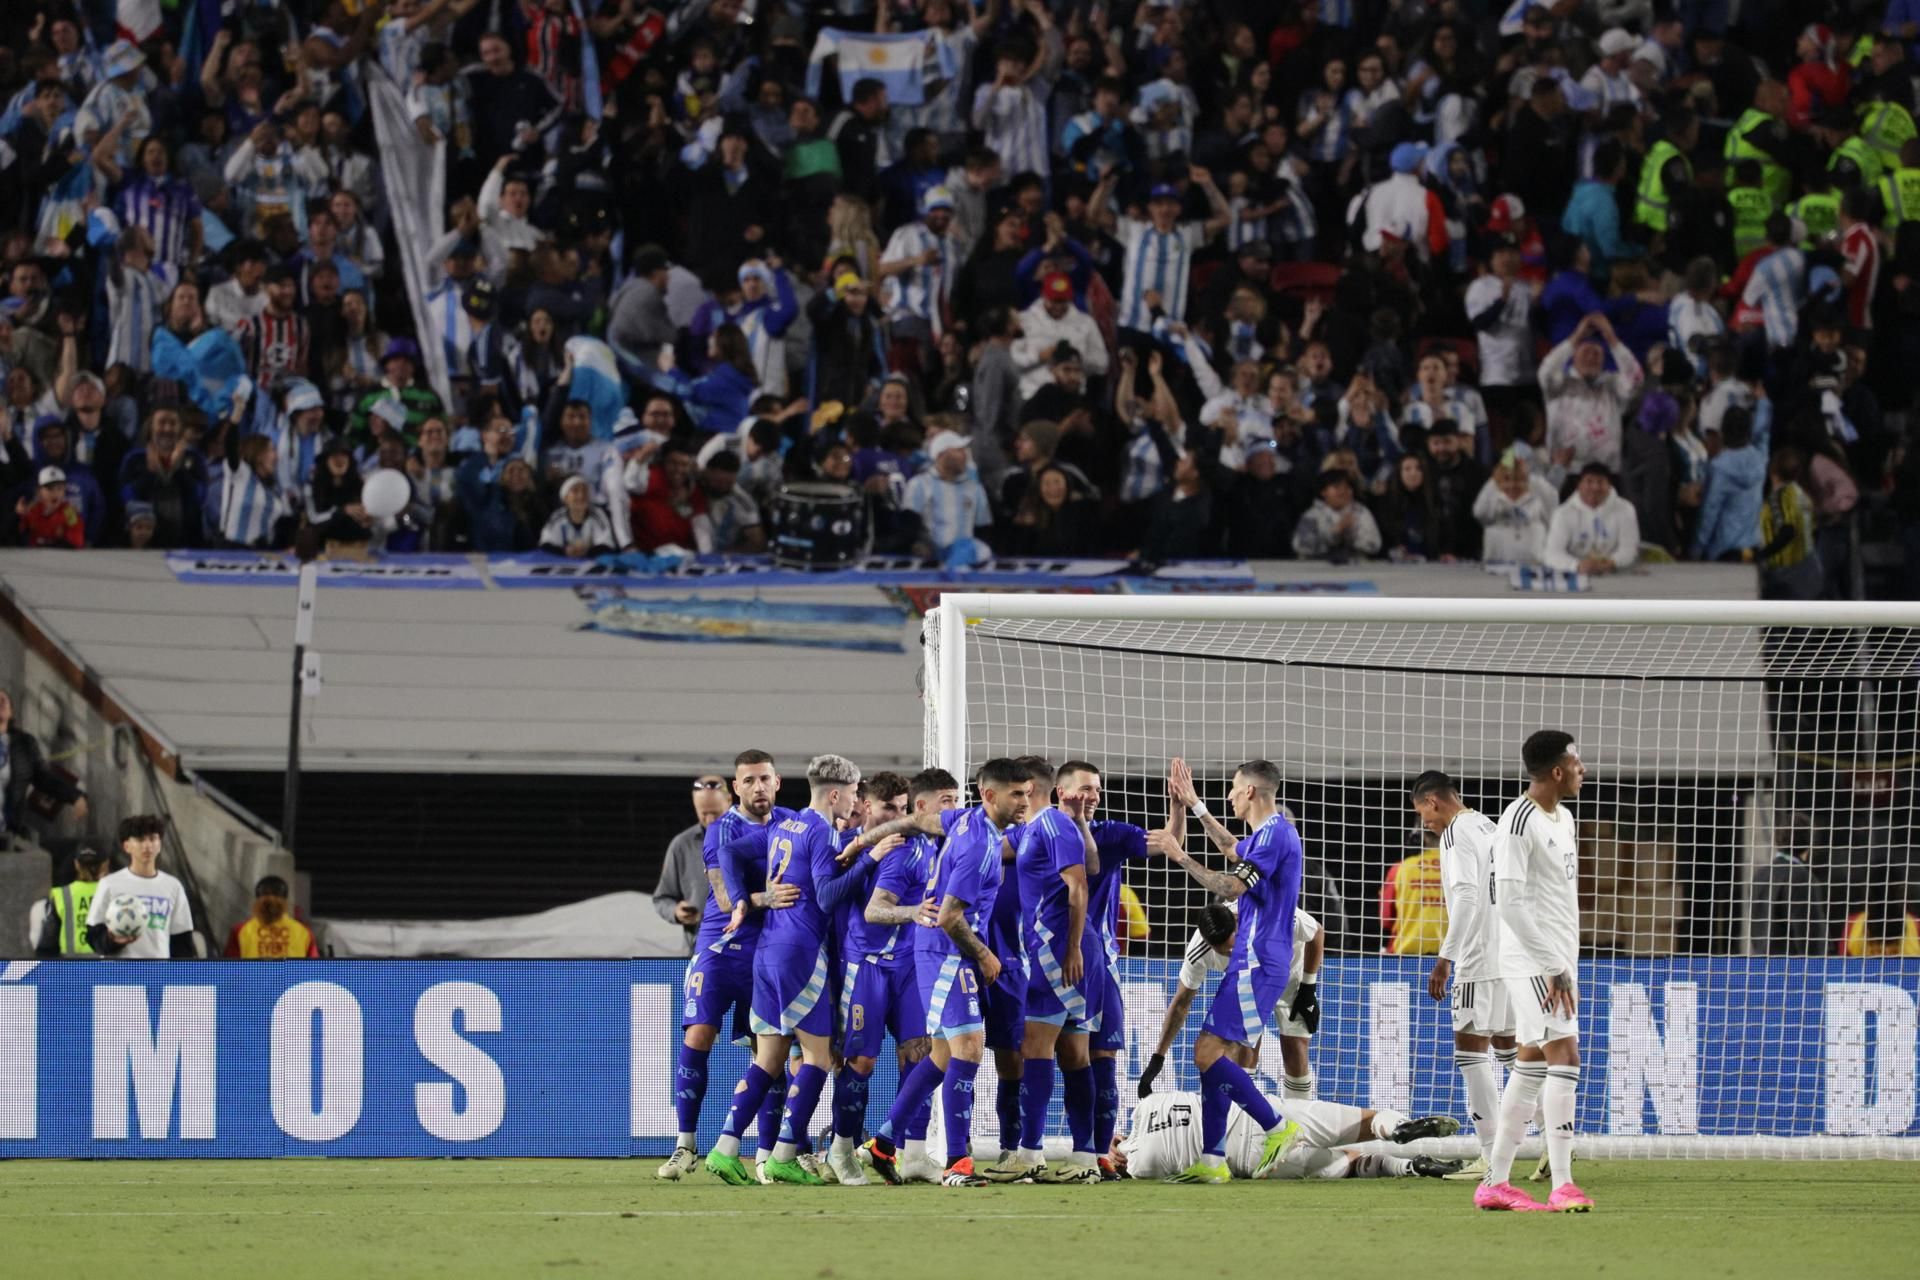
point(1264, 869)
point(1208, 951)
point(1164, 1138)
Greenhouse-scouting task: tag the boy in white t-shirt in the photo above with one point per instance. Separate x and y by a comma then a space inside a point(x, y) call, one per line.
point(169, 931)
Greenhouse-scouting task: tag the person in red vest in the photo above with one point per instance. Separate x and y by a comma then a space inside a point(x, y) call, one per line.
point(271, 932)
point(663, 513)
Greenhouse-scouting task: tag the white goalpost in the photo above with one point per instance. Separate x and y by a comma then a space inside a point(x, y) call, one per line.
point(1750, 976)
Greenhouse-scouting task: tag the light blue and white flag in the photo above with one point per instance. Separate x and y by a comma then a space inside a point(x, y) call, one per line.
point(896, 61)
point(596, 380)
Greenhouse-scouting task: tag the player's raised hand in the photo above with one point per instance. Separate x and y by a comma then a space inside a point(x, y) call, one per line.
point(1437, 978)
point(1180, 783)
point(1155, 1065)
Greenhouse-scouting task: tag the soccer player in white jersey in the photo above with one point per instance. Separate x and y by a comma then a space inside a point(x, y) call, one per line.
point(1536, 889)
point(1208, 951)
point(1470, 953)
point(1164, 1138)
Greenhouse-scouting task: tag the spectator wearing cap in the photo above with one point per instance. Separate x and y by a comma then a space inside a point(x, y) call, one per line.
point(48, 519)
point(271, 932)
point(578, 529)
point(53, 448)
point(918, 267)
point(297, 437)
point(1595, 531)
point(242, 295)
point(398, 364)
point(1403, 207)
point(277, 341)
point(848, 355)
point(1158, 251)
point(951, 503)
point(334, 507)
point(1817, 82)
point(1606, 82)
point(1045, 325)
point(730, 207)
point(63, 929)
point(1586, 404)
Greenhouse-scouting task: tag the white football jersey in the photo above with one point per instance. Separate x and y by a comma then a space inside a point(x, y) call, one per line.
point(167, 911)
point(1536, 869)
point(1163, 1137)
point(1466, 880)
point(1201, 959)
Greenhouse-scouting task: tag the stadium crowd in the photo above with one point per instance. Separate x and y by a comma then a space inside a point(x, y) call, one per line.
point(1574, 285)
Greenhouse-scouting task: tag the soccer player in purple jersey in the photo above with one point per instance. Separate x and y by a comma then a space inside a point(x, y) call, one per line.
point(720, 975)
point(1264, 872)
point(790, 998)
point(1064, 985)
point(883, 797)
point(882, 991)
point(1115, 844)
point(954, 962)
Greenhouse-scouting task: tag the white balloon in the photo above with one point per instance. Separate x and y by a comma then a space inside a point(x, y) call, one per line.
point(386, 493)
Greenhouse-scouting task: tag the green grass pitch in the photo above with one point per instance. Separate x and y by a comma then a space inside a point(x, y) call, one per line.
point(518, 1218)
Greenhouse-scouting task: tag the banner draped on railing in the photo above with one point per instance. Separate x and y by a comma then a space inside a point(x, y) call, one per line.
point(560, 1058)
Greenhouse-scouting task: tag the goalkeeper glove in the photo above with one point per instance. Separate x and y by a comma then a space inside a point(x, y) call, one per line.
point(1306, 1005)
point(1152, 1073)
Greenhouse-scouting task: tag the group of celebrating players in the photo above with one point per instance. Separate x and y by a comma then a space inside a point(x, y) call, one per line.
point(885, 907)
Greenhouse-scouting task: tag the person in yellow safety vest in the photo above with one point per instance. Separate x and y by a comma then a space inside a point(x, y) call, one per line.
point(1750, 206)
point(1900, 188)
point(1879, 934)
point(1886, 126)
point(64, 931)
point(1666, 175)
point(1818, 209)
point(1760, 135)
point(1413, 906)
point(1849, 159)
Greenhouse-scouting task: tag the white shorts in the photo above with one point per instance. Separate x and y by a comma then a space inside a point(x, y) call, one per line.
point(1532, 1024)
point(1482, 1008)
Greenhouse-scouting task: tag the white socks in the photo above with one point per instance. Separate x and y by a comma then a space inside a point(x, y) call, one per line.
point(1299, 1088)
point(1516, 1108)
point(1385, 1121)
point(1556, 1109)
point(1483, 1097)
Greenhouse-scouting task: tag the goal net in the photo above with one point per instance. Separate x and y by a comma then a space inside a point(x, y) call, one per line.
point(1747, 871)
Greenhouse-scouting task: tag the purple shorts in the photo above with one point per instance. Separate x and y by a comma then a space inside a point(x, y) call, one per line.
point(881, 1000)
point(715, 982)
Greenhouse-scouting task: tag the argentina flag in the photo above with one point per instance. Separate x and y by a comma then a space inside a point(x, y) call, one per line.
point(896, 61)
point(596, 380)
